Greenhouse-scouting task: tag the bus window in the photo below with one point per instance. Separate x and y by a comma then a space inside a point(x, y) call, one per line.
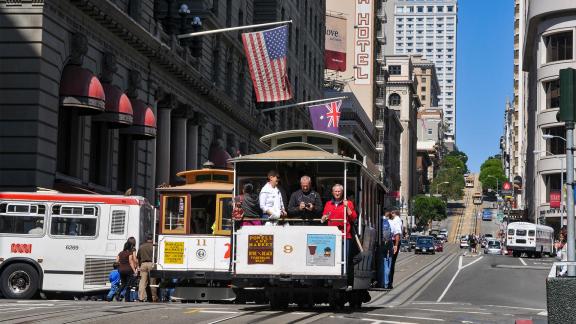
point(510, 232)
point(223, 223)
point(520, 232)
point(531, 233)
point(174, 214)
point(74, 220)
point(22, 218)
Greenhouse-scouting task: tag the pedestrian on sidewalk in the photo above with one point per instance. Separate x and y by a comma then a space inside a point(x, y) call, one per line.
point(386, 252)
point(146, 265)
point(396, 225)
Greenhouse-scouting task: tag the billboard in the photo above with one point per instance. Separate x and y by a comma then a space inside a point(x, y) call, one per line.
point(335, 52)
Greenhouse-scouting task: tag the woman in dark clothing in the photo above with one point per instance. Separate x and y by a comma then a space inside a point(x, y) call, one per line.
point(250, 205)
point(127, 269)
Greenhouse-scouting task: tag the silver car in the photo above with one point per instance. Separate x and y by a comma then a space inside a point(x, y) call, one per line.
point(493, 247)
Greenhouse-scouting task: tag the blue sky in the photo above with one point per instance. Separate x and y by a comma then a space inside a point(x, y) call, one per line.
point(484, 76)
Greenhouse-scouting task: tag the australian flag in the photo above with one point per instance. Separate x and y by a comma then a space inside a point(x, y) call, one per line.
point(326, 117)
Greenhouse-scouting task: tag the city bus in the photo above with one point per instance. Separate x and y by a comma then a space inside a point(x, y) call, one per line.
point(65, 243)
point(534, 240)
point(477, 198)
point(302, 263)
point(194, 235)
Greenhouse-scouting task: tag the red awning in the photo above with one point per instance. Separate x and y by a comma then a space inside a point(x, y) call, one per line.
point(144, 123)
point(79, 88)
point(118, 108)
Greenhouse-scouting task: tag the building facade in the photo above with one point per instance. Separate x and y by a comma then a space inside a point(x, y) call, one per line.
point(106, 99)
point(548, 48)
point(518, 118)
point(429, 27)
point(401, 97)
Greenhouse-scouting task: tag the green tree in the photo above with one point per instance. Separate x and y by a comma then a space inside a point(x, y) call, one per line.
point(448, 182)
point(491, 170)
point(462, 157)
point(428, 209)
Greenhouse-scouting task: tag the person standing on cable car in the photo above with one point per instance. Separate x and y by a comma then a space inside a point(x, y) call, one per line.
point(305, 203)
point(271, 201)
point(334, 210)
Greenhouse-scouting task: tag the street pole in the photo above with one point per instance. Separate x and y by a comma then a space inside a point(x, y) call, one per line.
point(570, 193)
point(223, 30)
point(561, 194)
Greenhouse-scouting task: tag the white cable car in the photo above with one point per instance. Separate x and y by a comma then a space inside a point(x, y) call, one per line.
point(305, 264)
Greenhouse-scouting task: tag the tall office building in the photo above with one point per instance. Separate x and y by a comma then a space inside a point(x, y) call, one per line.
point(428, 27)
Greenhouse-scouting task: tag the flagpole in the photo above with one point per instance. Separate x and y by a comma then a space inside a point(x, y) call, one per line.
point(222, 30)
point(302, 103)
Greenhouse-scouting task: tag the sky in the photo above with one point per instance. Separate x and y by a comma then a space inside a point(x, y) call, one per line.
point(484, 76)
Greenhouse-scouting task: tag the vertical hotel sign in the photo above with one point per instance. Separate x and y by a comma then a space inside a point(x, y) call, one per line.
point(335, 43)
point(363, 42)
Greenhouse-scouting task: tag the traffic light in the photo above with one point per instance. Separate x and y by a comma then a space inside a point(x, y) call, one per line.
point(567, 96)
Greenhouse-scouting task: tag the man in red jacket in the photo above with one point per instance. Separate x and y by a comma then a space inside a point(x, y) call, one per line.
point(334, 212)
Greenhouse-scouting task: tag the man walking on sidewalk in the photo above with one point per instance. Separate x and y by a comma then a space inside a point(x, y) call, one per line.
point(146, 264)
point(396, 225)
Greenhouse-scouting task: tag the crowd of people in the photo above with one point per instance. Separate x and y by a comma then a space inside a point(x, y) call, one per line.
point(130, 278)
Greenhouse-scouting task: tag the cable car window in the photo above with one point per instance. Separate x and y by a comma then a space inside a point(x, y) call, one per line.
point(174, 214)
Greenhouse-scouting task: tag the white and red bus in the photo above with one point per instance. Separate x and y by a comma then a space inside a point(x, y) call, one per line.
point(54, 242)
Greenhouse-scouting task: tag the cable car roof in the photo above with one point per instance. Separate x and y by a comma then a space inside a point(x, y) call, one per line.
point(201, 186)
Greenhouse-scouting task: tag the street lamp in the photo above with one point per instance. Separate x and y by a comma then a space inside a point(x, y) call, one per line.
point(497, 183)
point(441, 183)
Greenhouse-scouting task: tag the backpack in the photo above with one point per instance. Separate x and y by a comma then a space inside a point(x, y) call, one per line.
point(386, 231)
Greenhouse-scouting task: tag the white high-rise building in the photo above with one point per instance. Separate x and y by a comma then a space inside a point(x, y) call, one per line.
point(428, 27)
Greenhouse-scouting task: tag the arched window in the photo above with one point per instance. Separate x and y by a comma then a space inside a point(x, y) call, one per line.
point(394, 99)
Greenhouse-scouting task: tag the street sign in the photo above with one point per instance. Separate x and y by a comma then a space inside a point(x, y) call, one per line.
point(507, 189)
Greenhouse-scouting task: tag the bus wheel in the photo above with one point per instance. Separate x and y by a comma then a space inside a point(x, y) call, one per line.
point(19, 281)
point(278, 302)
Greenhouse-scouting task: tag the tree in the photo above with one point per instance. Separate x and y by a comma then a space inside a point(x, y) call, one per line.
point(462, 157)
point(491, 170)
point(428, 209)
point(453, 189)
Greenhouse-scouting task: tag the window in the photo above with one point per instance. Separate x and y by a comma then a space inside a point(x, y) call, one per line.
point(74, 221)
point(22, 218)
point(429, 131)
point(558, 46)
point(552, 89)
point(420, 9)
point(556, 145)
point(520, 232)
point(395, 69)
point(430, 9)
point(394, 99)
point(174, 214)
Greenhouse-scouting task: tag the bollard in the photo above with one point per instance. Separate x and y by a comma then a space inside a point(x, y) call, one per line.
point(560, 296)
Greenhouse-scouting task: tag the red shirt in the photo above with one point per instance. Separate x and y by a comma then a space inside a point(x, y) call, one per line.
point(336, 211)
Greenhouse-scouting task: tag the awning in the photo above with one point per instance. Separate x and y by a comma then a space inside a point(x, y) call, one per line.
point(79, 88)
point(144, 122)
point(118, 111)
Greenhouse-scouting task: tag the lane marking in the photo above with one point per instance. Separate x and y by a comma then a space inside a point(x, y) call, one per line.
point(543, 313)
point(451, 281)
point(471, 263)
point(516, 307)
point(449, 311)
point(226, 318)
point(381, 321)
point(522, 260)
point(410, 317)
point(193, 311)
point(217, 312)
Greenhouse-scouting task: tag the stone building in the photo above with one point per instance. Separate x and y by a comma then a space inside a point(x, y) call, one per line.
point(101, 96)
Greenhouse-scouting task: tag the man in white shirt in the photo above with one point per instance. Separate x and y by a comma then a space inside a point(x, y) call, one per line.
point(396, 226)
point(270, 199)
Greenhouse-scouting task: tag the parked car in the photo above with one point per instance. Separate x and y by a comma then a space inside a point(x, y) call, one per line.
point(405, 246)
point(442, 237)
point(493, 247)
point(439, 245)
point(464, 242)
point(425, 244)
point(444, 232)
point(412, 240)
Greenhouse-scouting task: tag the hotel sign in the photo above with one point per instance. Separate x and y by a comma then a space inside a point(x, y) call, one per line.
point(363, 42)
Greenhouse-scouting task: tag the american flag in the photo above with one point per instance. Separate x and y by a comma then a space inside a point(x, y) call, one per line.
point(266, 52)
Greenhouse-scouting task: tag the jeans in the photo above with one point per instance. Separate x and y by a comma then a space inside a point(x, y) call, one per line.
point(384, 271)
point(114, 290)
